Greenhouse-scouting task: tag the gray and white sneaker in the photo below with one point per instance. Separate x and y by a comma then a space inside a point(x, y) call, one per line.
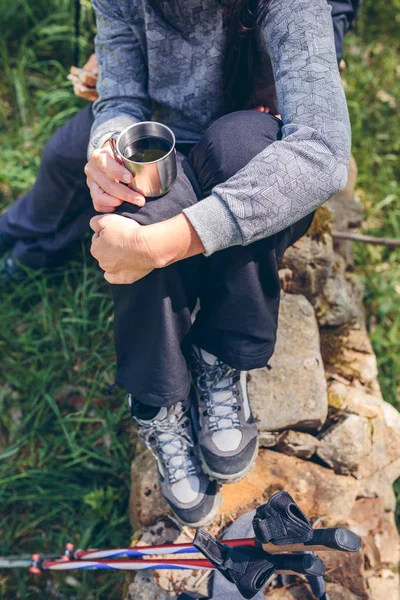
point(194, 498)
point(227, 433)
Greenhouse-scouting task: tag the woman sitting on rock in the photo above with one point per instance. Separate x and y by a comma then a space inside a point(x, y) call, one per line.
point(247, 190)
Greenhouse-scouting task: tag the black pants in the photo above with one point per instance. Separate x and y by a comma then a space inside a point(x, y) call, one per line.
point(238, 288)
point(49, 220)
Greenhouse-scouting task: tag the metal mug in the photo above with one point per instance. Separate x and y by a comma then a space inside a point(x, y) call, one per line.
point(152, 179)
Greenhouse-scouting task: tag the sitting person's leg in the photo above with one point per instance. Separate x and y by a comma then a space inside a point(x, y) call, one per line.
point(49, 219)
point(153, 321)
point(240, 286)
point(152, 318)
point(235, 329)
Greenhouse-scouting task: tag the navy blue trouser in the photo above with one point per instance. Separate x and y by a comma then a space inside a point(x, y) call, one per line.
point(238, 288)
point(49, 220)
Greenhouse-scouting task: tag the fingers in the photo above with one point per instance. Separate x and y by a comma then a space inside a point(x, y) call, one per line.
point(104, 161)
point(263, 109)
point(84, 83)
point(103, 176)
point(77, 75)
point(97, 224)
point(102, 201)
point(109, 188)
point(104, 171)
point(88, 79)
point(87, 94)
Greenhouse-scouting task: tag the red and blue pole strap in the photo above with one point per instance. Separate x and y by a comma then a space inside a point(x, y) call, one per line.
point(139, 558)
point(133, 564)
point(143, 551)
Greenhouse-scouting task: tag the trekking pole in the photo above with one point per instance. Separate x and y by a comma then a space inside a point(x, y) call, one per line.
point(317, 585)
point(323, 539)
point(142, 551)
point(287, 564)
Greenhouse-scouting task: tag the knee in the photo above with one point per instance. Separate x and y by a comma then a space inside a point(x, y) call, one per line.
point(234, 139)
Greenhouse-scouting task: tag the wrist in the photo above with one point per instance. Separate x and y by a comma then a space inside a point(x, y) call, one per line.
point(170, 241)
point(148, 242)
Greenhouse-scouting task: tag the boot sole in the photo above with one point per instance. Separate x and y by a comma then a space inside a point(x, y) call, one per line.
point(234, 477)
point(208, 519)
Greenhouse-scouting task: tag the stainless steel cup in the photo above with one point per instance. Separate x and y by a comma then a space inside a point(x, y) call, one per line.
point(152, 179)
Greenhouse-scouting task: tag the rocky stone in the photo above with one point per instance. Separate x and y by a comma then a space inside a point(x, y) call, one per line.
point(347, 353)
point(347, 399)
point(347, 213)
point(380, 484)
point(359, 446)
point(385, 448)
point(311, 268)
point(316, 488)
point(387, 540)
point(145, 587)
point(147, 504)
point(347, 569)
point(267, 439)
point(378, 531)
point(384, 587)
point(292, 592)
point(338, 592)
point(334, 305)
point(390, 414)
point(292, 395)
point(346, 445)
point(297, 443)
point(366, 516)
point(302, 592)
point(371, 552)
point(310, 262)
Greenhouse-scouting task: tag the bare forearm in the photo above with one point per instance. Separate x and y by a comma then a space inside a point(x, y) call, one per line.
point(172, 240)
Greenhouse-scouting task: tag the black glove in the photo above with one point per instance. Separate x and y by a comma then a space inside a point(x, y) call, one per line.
point(281, 522)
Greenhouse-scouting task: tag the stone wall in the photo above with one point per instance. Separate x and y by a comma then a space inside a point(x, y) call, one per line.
point(327, 435)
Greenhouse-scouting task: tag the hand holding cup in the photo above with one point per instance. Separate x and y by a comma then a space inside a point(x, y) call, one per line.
point(108, 182)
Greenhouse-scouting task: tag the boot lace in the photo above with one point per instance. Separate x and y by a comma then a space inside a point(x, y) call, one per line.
point(170, 440)
point(221, 409)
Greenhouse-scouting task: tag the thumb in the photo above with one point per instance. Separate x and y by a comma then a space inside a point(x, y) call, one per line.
point(97, 223)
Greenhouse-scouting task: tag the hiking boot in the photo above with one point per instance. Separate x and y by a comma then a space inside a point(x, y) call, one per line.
point(193, 497)
point(10, 272)
point(225, 428)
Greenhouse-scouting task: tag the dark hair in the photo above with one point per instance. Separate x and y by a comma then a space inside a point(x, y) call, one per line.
point(242, 61)
point(241, 58)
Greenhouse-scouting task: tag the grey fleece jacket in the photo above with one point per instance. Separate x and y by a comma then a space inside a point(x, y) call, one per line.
point(148, 70)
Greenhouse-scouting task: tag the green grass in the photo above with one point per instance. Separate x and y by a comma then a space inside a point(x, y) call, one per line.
point(373, 91)
point(64, 443)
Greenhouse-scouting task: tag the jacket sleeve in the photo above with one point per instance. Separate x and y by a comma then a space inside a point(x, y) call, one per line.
point(295, 175)
point(122, 82)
